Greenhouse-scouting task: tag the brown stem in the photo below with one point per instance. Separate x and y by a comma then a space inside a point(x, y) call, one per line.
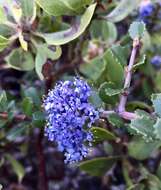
point(42, 179)
point(19, 117)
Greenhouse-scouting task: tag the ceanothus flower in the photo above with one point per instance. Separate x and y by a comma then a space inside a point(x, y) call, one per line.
point(156, 61)
point(69, 117)
point(146, 10)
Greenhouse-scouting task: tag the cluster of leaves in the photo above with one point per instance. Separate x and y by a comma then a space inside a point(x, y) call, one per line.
point(93, 39)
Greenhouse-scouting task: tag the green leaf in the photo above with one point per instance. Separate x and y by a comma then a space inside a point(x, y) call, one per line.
point(156, 99)
point(141, 62)
point(115, 120)
point(27, 106)
point(143, 125)
point(3, 101)
point(137, 30)
point(98, 166)
point(3, 16)
point(103, 29)
point(121, 52)
point(108, 93)
point(101, 134)
point(16, 166)
point(122, 10)
point(113, 66)
point(20, 60)
point(140, 149)
point(93, 69)
point(33, 94)
point(3, 42)
point(15, 132)
point(157, 128)
point(63, 37)
point(38, 116)
point(27, 8)
point(43, 53)
point(61, 7)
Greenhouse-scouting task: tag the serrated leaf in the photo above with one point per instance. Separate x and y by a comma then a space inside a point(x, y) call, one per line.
point(121, 52)
point(113, 66)
point(122, 10)
point(100, 134)
point(43, 53)
point(115, 120)
point(17, 167)
point(137, 30)
point(143, 125)
point(139, 149)
point(157, 128)
point(20, 60)
point(141, 62)
point(61, 7)
point(106, 96)
point(101, 165)
point(156, 99)
point(63, 37)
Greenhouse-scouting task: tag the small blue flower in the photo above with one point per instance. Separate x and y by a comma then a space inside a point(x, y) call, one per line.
point(145, 11)
point(156, 61)
point(69, 117)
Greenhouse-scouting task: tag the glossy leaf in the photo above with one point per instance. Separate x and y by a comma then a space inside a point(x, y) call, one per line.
point(140, 149)
point(43, 53)
point(102, 165)
point(104, 30)
point(122, 10)
point(61, 7)
point(108, 93)
point(101, 134)
point(121, 52)
point(63, 37)
point(20, 60)
point(113, 66)
point(93, 69)
point(27, 8)
point(143, 125)
point(141, 62)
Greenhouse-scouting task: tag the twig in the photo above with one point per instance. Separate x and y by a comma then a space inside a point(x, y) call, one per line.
point(19, 117)
point(123, 98)
point(42, 182)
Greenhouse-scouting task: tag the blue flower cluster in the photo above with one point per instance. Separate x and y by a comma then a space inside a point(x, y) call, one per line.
point(156, 61)
point(69, 117)
point(145, 11)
